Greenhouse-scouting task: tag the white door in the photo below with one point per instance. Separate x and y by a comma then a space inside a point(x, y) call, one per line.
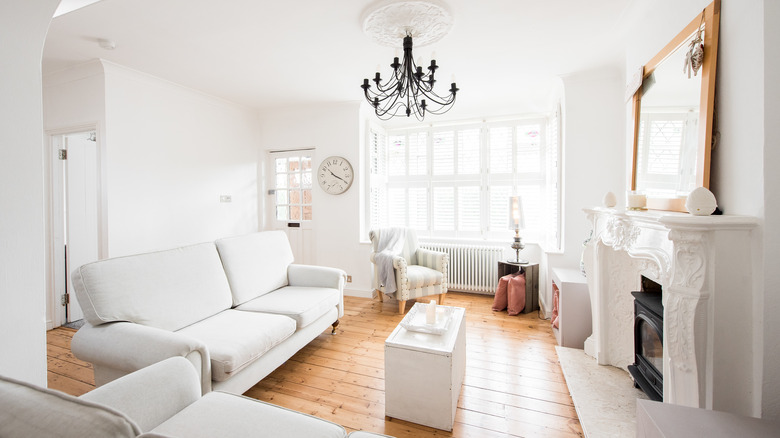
point(291, 178)
point(75, 191)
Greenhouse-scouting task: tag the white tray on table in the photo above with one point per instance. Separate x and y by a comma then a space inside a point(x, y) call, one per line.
point(415, 320)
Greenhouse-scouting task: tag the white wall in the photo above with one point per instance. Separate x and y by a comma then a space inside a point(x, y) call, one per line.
point(334, 129)
point(593, 157)
point(771, 153)
point(23, 26)
point(170, 153)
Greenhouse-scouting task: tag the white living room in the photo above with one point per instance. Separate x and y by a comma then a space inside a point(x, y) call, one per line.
point(389, 218)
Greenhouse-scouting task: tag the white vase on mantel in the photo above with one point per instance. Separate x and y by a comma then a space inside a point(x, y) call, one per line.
point(701, 202)
point(609, 200)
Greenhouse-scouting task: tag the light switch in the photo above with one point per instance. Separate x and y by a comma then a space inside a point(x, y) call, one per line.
point(225, 198)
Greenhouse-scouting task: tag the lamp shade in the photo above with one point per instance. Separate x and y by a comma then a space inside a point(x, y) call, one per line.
point(516, 217)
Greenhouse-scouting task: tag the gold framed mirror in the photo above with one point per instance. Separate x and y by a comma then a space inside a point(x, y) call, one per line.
point(673, 117)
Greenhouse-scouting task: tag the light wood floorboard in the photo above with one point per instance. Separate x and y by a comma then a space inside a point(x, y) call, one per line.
point(513, 385)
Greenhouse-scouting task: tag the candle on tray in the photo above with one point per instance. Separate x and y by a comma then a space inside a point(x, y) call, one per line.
point(430, 313)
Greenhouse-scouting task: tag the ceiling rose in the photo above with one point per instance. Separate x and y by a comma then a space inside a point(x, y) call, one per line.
point(388, 22)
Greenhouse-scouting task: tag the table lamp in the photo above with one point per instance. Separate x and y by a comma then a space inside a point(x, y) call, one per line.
point(516, 221)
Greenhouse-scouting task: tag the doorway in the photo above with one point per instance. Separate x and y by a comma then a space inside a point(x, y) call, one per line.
point(74, 217)
point(291, 200)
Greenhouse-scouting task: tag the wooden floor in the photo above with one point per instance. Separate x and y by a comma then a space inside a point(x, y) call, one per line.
point(513, 385)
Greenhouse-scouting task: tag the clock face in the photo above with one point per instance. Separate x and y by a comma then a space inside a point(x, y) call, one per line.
point(335, 175)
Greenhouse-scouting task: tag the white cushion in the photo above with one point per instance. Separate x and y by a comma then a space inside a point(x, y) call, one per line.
point(218, 414)
point(235, 338)
point(420, 276)
point(303, 304)
point(255, 264)
point(29, 411)
point(167, 289)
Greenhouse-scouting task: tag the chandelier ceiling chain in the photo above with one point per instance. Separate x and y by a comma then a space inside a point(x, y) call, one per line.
point(409, 90)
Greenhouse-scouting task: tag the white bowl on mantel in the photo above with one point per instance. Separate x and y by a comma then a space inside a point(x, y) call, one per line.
point(701, 202)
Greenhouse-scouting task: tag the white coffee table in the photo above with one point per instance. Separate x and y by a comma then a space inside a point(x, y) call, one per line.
point(424, 373)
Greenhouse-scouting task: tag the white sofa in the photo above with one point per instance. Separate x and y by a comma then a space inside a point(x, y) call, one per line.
point(236, 308)
point(162, 400)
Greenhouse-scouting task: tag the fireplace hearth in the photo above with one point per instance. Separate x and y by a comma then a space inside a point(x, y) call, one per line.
point(648, 366)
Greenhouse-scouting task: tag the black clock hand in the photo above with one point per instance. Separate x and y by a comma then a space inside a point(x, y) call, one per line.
point(342, 179)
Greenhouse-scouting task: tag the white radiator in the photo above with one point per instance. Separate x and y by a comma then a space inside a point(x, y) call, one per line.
point(472, 268)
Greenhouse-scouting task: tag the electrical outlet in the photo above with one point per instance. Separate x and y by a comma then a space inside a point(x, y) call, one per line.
point(349, 279)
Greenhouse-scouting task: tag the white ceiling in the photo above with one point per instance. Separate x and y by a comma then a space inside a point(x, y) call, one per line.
point(505, 54)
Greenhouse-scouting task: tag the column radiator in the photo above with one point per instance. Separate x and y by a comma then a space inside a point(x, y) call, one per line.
point(472, 268)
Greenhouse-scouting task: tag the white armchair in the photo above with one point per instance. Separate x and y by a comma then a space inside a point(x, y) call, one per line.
point(418, 272)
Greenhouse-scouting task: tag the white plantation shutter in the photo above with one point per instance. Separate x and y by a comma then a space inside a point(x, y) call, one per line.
point(418, 208)
point(500, 150)
point(552, 199)
point(468, 151)
point(418, 153)
point(444, 153)
point(499, 207)
point(443, 209)
point(456, 181)
point(659, 148)
point(377, 205)
point(468, 208)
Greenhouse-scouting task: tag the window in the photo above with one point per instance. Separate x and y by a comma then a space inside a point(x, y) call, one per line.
point(293, 185)
point(661, 161)
point(456, 181)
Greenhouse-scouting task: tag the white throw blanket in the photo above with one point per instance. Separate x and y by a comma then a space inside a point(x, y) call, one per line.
point(391, 243)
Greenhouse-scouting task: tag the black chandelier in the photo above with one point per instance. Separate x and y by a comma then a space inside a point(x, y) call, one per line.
point(409, 90)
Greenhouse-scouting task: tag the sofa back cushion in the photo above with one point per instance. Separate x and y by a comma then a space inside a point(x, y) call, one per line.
point(255, 264)
point(166, 289)
point(30, 411)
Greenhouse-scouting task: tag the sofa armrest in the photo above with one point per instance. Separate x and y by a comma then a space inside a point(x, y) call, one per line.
point(151, 395)
point(129, 347)
point(318, 276)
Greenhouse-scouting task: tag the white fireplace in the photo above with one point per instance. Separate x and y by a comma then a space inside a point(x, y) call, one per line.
point(704, 264)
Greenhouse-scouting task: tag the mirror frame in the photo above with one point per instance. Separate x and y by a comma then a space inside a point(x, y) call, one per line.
point(706, 104)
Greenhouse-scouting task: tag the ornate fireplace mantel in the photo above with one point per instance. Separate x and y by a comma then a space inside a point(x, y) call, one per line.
point(704, 266)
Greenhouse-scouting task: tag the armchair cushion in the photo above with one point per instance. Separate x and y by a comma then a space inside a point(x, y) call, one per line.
point(303, 304)
point(30, 411)
point(420, 276)
point(235, 338)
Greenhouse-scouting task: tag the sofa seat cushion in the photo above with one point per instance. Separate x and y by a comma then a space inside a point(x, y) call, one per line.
point(221, 414)
point(255, 264)
point(235, 339)
point(420, 276)
point(303, 304)
point(30, 411)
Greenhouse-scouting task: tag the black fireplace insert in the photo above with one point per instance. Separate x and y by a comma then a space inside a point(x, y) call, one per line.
point(647, 369)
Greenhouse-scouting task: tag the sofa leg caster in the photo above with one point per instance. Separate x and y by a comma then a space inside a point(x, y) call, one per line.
point(335, 324)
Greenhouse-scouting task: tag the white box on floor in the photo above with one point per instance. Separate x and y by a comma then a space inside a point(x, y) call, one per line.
point(574, 315)
point(424, 373)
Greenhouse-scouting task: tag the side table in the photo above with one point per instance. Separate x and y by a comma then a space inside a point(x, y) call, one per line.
point(531, 281)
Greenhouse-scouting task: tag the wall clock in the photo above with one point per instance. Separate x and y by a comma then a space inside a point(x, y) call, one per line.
point(335, 175)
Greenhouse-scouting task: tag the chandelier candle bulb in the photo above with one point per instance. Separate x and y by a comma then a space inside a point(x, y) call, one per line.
point(430, 313)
